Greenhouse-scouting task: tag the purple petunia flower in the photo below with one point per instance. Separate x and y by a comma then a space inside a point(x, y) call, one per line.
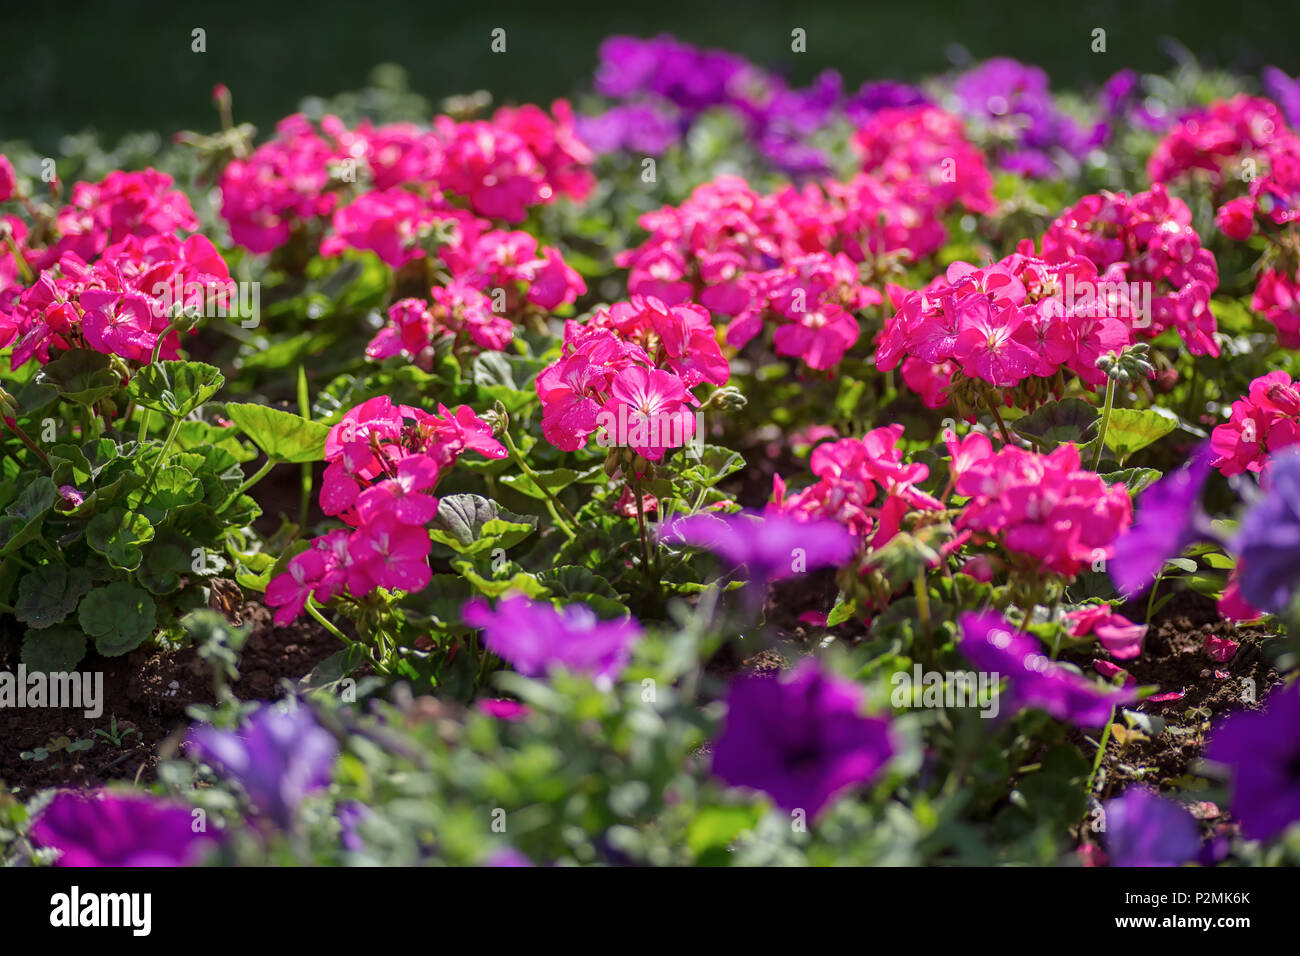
point(1015, 98)
point(1033, 679)
point(1167, 522)
point(507, 856)
point(769, 547)
point(1262, 748)
point(535, 637)
point(278, 756)
point(1268, 540)
point(636, 127)
point(105, 829)
point(882, 95)
point(664, 85)
point(692, 79)
point(351, 816)
point(801, 740)
point(1284, 91)
point(1145, 829)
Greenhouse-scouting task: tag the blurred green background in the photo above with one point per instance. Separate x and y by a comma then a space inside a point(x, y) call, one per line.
point(128, 66)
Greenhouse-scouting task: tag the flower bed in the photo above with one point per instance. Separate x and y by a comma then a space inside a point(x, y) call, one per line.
point(705, 471)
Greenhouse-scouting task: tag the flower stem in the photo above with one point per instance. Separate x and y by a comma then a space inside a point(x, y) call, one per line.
point(1105, 422)
point(640, 522)
point(997, 417)
point(1101, 749)
point(27, 440)
point(256, 477)
point(554, 505)
point(310, 605)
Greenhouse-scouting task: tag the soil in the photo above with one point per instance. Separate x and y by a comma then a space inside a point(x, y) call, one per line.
point(1174, 658)
point(147, 691)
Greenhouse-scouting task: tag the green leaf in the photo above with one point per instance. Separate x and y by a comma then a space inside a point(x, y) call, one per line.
point(573, 580)
point(1131, 429)
point(174, 487)
point(48, 594)
point(471, 524)
point(22, 520)
point(196, 436)
point(165, 561)
point(714, 464)
point(282, 435)
point(330, 673)
point(715, 828)
point(119, 617)
point(1069, 420)
point(841, 612)
point(1134, 479)
point(175, 388)
point(81, 375)
point(554, 480)
point(118, 538)
point(56, 650)
point(521, 581)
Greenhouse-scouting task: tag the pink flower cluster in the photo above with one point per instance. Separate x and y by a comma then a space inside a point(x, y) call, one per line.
point(636, 363)
point(789, 258)
point(1220, 137)
point(498, 276)
point(1147, 240)
point(119, 305)
point(501, 167)
point(1046, 508)
point(1005, 323)
point(921, 152)
point(384, 462)
point(1277, 297)
point(140, 204)
point(863, 484)
point(1266, 420)
point(1273, 200)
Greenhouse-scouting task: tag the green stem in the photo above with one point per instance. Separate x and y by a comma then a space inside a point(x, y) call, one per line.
point(310, 605)
point(555, 506)
point(1105, 422)
point(256, 477)
point(1101, 749)
point(640, 523)
point(23, 267)
point(922, 590)
point(153, 472)
point(27, 440)
point(997, 417)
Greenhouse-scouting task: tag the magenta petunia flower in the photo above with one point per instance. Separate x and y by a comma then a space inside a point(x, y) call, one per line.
point(991, 643)
point(770, 547)
point(1262, 749)
point(536, 637)
point(802, 740)
point(107, 829)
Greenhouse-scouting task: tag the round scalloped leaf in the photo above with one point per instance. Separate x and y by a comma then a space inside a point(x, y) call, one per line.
point(22, 520)
point(118, 616)
point(54, 650)
point(282, 435)
point(118, 539)
point(176, 388)
point(48, 594)
point(81, 375)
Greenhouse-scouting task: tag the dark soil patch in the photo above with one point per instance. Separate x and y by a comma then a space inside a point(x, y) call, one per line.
point(1174, 658)
point(147, 691)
